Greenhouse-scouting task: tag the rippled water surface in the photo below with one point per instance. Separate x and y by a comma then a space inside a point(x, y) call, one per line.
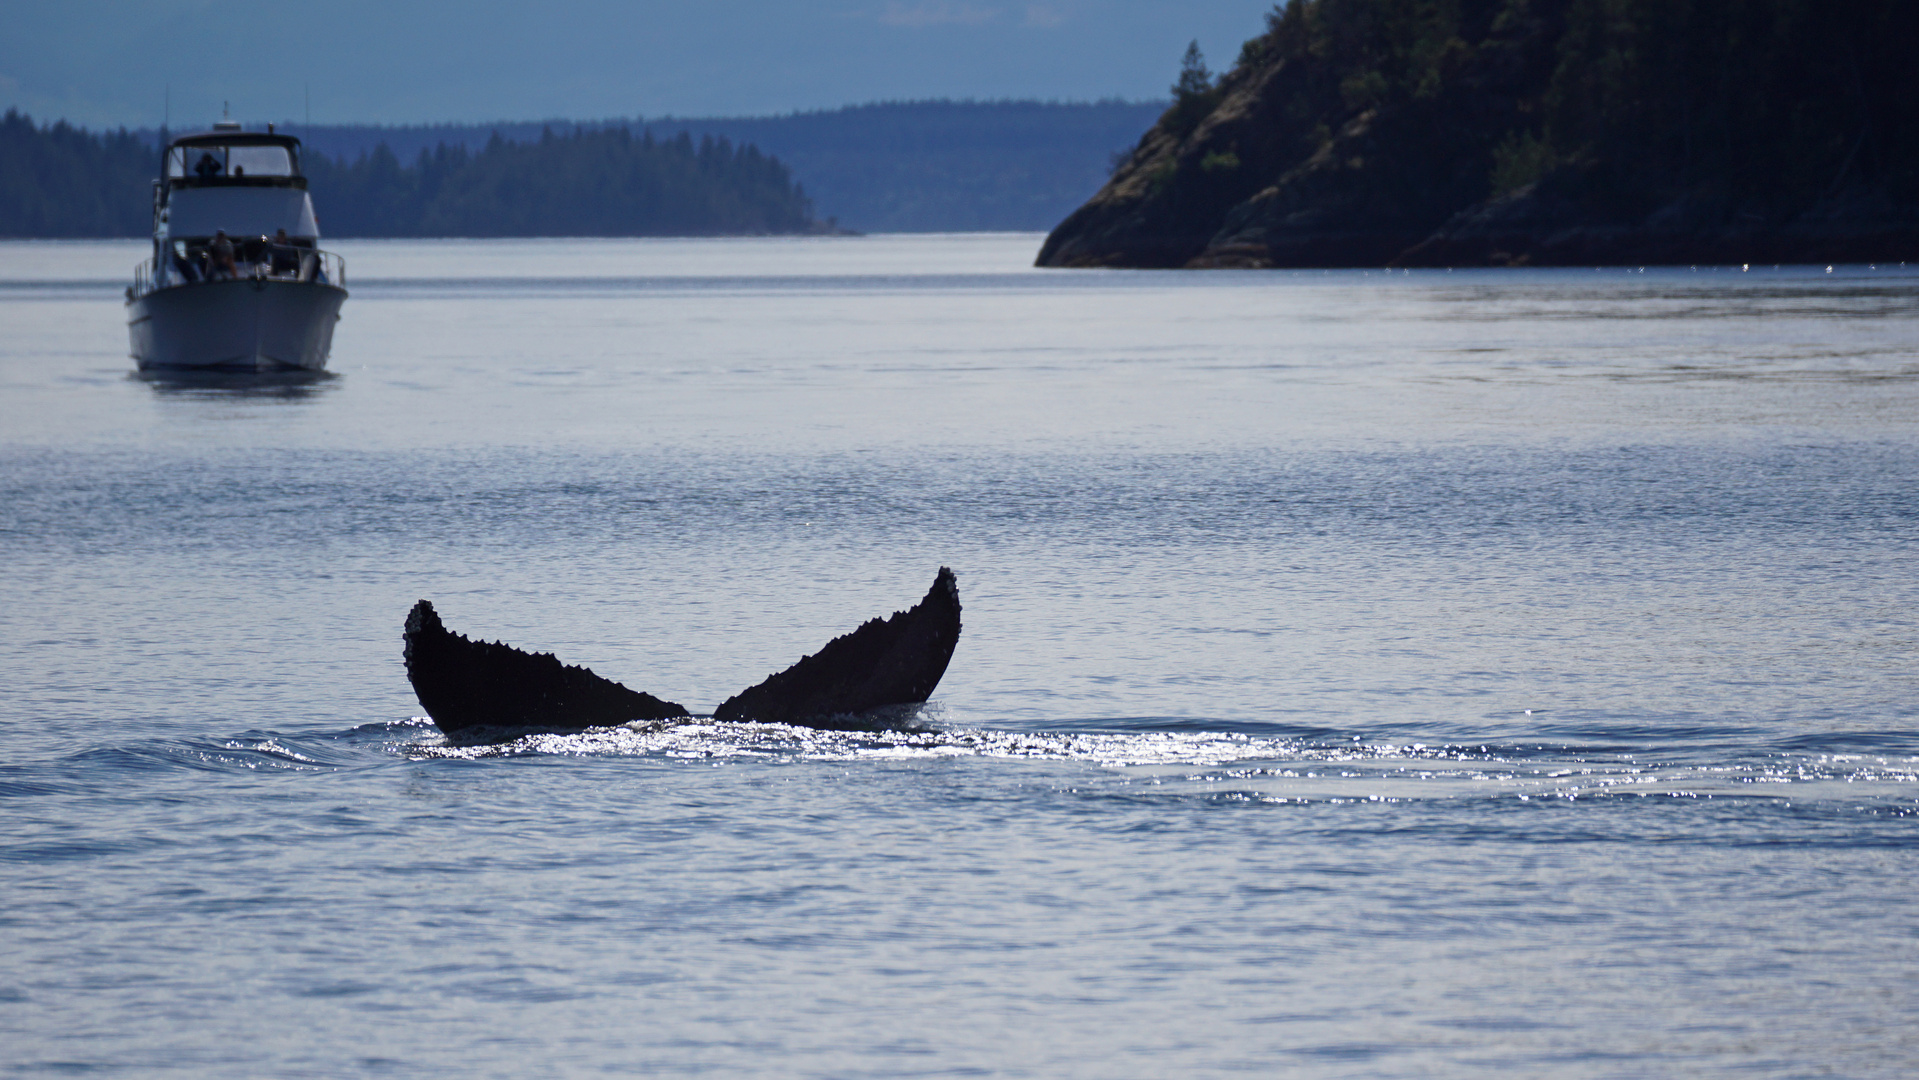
point(1364, 675)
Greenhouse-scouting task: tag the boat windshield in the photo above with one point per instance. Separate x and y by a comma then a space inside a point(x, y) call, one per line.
point(207, 162)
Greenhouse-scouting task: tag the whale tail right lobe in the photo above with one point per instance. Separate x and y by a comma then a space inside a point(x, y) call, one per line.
point(893, 661)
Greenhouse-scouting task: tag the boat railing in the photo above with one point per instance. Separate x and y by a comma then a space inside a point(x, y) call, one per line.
point(276, 262)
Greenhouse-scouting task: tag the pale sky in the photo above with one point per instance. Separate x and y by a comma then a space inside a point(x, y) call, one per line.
point(104, 63)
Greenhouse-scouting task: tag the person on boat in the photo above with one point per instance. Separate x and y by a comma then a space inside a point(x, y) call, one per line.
point(220, 257)
point(184, 264)
point(283, 256)
point(208, 167)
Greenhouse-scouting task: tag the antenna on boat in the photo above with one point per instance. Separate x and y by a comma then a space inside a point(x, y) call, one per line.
point(167, 116)
point(307, 89)
point(225, 108)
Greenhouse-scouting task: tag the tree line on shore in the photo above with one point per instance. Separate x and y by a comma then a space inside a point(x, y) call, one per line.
point(59, 181)
point(62, 181)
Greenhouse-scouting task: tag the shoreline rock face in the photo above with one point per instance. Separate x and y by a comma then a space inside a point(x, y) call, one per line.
point(1542, 224)
point(1360, 133)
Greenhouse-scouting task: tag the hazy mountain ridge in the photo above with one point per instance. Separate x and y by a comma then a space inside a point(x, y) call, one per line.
point(930, 166)
point(921, 166)
point(1499, 132)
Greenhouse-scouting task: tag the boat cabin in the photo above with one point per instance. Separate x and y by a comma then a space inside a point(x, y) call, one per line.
point(233, 203)
point(229, 157)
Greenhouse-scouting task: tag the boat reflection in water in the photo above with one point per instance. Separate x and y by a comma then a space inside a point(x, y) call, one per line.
point(292, 384)
point(237, 281)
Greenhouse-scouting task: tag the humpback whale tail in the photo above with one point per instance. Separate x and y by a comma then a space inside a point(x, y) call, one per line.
point(477, 690)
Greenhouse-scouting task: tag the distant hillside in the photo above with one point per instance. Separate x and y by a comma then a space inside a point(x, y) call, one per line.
point(1477, 132)
point(931, 166)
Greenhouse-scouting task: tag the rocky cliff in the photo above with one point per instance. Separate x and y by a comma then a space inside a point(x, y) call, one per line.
point(1542, 132)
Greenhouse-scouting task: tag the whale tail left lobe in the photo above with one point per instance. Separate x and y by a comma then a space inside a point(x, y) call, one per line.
point(468, 686)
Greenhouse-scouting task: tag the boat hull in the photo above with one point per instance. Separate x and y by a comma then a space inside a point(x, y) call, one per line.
point(239, 325)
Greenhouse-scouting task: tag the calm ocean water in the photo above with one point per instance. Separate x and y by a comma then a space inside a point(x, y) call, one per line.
point(1492, 674)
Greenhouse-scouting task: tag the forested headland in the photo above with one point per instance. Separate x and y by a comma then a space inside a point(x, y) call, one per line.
point(59, 181)
point(1503, 132)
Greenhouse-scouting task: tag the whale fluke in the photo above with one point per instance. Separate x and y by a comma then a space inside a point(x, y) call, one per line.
point(483, 691)
point(471, 687)
point(893, 661)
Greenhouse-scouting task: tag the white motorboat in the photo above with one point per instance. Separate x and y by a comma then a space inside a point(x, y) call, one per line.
point(237, 281)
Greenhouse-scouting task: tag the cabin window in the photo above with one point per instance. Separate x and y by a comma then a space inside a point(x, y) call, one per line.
point(260, 161)
point(220, 161)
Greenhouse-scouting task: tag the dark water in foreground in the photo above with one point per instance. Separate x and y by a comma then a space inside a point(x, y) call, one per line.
point(1495, 674)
